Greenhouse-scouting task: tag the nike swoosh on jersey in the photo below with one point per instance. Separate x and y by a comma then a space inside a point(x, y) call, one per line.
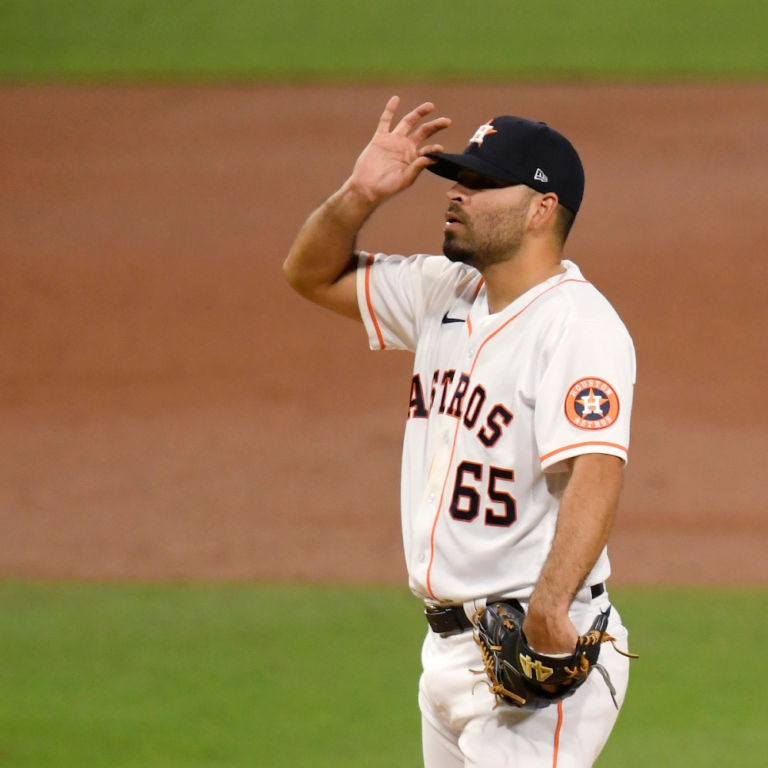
point(447, 319)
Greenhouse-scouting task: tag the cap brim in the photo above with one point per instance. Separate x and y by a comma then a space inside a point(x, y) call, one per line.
point(448, 166)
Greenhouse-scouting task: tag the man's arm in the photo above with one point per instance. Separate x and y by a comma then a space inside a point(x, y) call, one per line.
point(321, 263)
point(584, 522)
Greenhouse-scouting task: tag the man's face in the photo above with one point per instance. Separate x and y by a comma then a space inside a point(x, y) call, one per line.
point(486, 220)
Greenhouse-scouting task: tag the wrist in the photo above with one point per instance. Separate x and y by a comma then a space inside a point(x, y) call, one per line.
point(542, 608)
point(360, 195)
point(348, 208)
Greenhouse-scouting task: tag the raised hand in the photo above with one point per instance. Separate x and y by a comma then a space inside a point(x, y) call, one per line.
point(393, 159)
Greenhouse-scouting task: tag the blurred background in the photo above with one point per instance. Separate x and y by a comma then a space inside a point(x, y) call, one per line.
point(189, 453)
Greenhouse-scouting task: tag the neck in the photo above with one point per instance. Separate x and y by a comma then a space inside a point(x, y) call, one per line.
point(508, 280)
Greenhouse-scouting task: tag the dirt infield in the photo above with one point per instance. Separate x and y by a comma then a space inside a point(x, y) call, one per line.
point(168, 409)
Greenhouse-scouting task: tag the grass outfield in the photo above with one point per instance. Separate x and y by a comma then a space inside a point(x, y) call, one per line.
point(381, 39)
point(238, 675)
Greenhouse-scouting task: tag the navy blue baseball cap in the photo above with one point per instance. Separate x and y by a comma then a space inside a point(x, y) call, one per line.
point(520, 151)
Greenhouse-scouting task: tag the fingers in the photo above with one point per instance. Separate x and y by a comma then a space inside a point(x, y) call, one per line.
point(423, 132)
point(389, 112)
point(406, 124)
point(422, 162)
point(431, 148)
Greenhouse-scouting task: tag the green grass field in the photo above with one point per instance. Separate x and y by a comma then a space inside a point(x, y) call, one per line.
point(238, 675)
point(381, 39)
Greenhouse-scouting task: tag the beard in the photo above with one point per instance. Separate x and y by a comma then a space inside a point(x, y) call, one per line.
point(492, 239)
point(458, 250)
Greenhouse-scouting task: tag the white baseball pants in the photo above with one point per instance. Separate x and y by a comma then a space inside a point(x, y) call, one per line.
point(461, 728)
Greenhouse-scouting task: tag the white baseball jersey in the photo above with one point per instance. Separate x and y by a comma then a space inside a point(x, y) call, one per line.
point(498, 402)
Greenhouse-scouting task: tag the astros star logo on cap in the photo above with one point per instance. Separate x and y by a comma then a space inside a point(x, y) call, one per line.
point(591, 404)
point(482, 132)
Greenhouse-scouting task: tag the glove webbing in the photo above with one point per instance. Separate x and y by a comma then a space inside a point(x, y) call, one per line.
point(495, 686)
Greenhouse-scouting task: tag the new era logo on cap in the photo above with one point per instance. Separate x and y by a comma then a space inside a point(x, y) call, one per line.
point(540, 175)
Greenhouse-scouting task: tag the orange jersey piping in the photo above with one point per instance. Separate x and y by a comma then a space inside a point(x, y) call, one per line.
point(557, 732)
point(458, 423)
point(368, 265)
point(579, 445)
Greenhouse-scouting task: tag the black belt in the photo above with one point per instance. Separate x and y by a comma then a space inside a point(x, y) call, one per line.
point(453, 620)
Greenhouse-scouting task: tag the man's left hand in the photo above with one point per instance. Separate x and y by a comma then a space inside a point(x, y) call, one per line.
point(551, 634)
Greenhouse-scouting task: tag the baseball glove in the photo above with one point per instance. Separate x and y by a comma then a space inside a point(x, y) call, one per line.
point(518, 675)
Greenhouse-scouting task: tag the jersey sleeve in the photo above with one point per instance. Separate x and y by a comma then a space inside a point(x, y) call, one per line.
point(584, 400)
point(392, 292)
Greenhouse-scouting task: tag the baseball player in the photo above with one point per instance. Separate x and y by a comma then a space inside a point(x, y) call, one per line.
point(518, 420)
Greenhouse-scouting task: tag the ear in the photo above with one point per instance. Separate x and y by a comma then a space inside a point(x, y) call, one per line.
point(543, 212)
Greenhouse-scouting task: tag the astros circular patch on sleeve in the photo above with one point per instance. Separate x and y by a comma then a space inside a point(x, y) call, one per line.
point(591, 404)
